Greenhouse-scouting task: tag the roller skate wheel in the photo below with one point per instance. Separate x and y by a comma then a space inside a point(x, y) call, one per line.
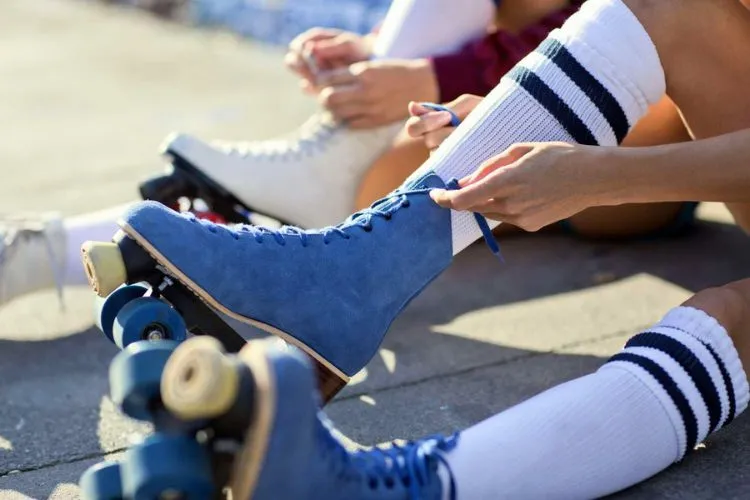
point(106, 309)
point(102, 482)
point(105, 268)
point(199, 381)
point(167, 467)
point(135, 377)
point(147, 318)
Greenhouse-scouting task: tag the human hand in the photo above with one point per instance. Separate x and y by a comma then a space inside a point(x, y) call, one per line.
point(324, 49)
point(531, 185)
point(435, 126)
point(374, 93)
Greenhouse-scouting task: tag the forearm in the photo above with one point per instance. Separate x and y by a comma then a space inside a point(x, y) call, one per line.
point(715, 169)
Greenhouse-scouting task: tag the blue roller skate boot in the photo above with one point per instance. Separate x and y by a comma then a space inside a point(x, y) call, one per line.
point(332, 292)
point(288, 449)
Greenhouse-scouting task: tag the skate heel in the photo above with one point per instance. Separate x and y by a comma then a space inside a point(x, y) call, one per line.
point(168, 188)
point(329, 383)
point(111, 264)
point(200, 381)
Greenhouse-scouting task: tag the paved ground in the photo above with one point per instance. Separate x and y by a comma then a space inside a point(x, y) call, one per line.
point(86, 95)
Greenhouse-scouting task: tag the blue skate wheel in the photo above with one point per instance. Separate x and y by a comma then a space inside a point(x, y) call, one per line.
point(106, 309)
point(102, 482)
point(147, 318)
point(135, 377)
point(166, 466)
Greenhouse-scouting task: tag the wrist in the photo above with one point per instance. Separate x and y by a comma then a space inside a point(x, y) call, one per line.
point(603, 185)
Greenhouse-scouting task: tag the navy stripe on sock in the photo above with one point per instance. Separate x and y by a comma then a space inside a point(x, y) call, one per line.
point(674, 392)
point(727, 383)
point(589, 85)
point(731, 414)
point(553, 104)
point(692, 366)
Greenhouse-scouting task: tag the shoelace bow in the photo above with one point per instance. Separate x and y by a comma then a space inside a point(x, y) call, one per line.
point(410, 464)
point(384, 208)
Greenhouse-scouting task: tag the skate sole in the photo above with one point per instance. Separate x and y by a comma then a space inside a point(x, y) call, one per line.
point(331, 379)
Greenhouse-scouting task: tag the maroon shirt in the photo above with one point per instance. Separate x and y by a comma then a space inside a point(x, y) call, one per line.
point(478, 66)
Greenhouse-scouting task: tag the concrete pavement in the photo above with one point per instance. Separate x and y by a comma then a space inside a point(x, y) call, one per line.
point(87, 93)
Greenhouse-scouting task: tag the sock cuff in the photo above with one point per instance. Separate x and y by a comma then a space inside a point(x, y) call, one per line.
point(690, 365)
point(706, 329)
point(607, 34)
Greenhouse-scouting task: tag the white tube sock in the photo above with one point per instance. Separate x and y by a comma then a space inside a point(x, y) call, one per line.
point(589, 82)
point(421, 28)
point(642, 411)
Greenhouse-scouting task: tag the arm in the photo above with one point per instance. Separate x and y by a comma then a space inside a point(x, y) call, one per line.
point(535, 184)
point(715, 169)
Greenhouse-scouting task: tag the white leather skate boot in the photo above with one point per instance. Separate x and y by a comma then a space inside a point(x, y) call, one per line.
point(308, 180)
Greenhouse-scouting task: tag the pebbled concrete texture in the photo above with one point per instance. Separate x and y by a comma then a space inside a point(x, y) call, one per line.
point(87, 93)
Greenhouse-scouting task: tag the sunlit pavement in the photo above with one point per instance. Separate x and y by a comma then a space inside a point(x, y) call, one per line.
point(87, 93)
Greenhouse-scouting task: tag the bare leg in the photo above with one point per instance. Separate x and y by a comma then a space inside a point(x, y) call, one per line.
point(704, 48)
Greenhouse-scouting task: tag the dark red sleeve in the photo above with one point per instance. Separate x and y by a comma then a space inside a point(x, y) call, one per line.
point(478, 66)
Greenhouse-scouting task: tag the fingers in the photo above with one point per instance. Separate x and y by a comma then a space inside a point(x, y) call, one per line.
point(297, 64)
point(345, 102)
point(504, 159)
point(429, 121)
point(477, 189)
point(433, 140)
point(464, 105)
point(338, 76)
point(312, 35)
point(338, 48)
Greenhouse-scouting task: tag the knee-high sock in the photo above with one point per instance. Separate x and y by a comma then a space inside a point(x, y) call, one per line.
point(421, 28)
point(589, 82)
point(643, 410)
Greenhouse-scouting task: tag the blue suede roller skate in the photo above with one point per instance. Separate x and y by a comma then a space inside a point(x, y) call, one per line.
point(287, 449)
point(332, 292)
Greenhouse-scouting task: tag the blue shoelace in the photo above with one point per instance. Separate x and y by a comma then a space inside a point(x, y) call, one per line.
point(384, 208)
point(413, 464)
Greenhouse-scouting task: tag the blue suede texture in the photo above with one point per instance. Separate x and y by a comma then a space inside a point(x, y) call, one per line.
point(338, 298)
point(291, 447)
point(301, 461)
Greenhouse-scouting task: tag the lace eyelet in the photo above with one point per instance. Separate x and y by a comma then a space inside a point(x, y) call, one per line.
point(405, 204)
point(372, 483)
point(388, 216)
point(367, 229)
point(390, 483)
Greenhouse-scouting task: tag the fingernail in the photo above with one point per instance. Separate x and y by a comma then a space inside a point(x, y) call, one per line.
point(437, 195)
